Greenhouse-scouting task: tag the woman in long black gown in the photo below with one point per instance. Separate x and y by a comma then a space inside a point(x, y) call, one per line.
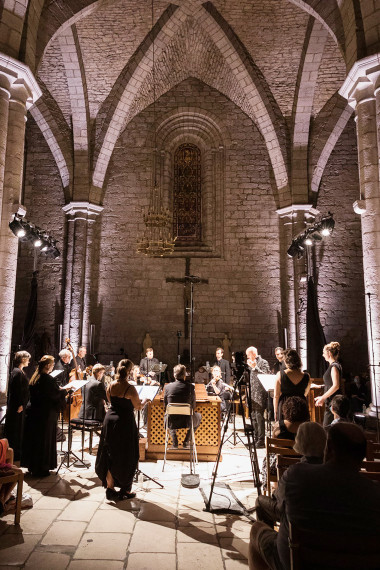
point(17, 399)
point(118, 452)
point(290, 382)
point(39, 450)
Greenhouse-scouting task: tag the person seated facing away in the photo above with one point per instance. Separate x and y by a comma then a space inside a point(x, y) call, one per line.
point(181, 391)
point(6, 469)
point(340, 407)
point(310, 442)
point(201, 376)
point(216, 387)
point(94, 396)
point(146, 364)
point(223, 364)
point(295, 411)
point(328, 497)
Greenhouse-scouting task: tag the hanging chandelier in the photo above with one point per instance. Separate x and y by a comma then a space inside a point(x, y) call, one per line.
point(158, 238)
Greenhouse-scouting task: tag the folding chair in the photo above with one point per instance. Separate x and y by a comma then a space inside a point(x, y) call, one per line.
point(180, 409)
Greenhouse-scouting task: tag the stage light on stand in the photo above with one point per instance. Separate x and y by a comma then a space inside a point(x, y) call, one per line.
point(26, 231)
point(308, 241)
point(316, 232)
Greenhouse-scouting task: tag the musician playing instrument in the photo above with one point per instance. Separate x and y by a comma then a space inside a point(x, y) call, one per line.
point(94, 396)
point(63, 364)
point(79, 362)
point(219, 388)
point(146, 364)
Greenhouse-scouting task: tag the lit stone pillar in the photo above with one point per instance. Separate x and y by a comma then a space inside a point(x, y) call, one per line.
point(81, 218)
point(294, 295)
point(362, 89)
point(18, 90)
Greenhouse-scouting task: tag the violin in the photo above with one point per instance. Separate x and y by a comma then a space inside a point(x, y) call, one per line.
point(78, 374)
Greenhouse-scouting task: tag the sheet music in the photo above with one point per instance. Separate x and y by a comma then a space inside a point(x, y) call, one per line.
point(76, 384)
point(55, 373)
point(268, 381)
point(147, 392)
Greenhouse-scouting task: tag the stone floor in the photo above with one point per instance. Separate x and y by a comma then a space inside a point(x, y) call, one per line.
point(73, 526)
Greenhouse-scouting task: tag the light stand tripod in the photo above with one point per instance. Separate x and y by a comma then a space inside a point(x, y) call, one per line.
point(66, 454)
point(82, 462)
point(233, 434)
point(250, 445)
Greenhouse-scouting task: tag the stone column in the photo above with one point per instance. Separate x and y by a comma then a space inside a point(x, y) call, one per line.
point(362, 89)
point(81, 217)
point(18, 90)
point(292, 222)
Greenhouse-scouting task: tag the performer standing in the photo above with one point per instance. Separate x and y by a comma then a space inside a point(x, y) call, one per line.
point(147, 363)
point(279, 364)
point(118, 451)
point(80, 358)
point(39, 450)
point(257, 365)
point(64, 364)
point(332, 380)
point(223, 364)
point(17, 399)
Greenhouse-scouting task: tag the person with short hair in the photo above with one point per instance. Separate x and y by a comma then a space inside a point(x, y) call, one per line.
point(181, 391)
point(94, 396)
point(223, 364)
point(340, 407)
point(64, 364)
point(279, 364)
point(325, 497)
point(332, 379)
point(17, 399)
point(216, 387)
point(146, 365)
point(257, 365)
point(290, 382)
point(39, 450)
point(80, 358)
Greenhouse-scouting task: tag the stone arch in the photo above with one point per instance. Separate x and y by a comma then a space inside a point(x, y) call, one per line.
point(11, 24)
point(260, 104)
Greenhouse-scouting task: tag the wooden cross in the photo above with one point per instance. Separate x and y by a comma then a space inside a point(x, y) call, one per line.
point(188, 280)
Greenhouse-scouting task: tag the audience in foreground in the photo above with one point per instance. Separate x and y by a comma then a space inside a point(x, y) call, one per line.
point(324, 497)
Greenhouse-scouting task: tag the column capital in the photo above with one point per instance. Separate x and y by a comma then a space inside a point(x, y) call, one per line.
point(17, 73)
point(293, 210)
point(364, 72)
point(82, 211)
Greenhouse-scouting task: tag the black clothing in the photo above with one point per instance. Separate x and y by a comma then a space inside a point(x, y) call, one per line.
point(288, 389)
point(181, 392)
point(146, 365)
point(18, 395)
point(39, 450)
point(81, 363)
point(64, 378)
point(284, 433)
point(278, 366)
point(329, 416)
point(224, 393)
point(118, 450)
point(259, 398)
point(224, 365)
point(93, 397)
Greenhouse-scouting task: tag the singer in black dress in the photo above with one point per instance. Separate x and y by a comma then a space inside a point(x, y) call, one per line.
point(17, 399)
point(118, 451)
point(39, 450)
point(290, 382)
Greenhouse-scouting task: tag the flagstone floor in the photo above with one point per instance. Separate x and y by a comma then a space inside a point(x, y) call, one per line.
point(72, 525)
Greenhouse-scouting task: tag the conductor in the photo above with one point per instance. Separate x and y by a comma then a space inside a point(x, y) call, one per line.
point(181, 392)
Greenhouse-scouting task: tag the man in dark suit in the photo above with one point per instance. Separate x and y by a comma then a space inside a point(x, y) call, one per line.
point(223, 364)
point(146, 365)
point(181, 392)
point(64, 365)
point(94, 396)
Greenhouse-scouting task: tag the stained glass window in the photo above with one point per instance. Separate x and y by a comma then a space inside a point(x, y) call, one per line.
point(187, 194)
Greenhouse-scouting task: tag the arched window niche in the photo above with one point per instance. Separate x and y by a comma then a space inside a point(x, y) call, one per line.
point(191, 154)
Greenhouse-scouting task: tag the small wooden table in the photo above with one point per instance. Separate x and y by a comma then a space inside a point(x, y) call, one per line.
point(207, 436)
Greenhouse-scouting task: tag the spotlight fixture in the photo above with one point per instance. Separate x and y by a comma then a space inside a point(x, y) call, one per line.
point(317, 231)
point(26, 231)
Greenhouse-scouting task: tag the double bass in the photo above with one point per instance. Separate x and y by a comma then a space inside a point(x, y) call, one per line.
point(75, 400)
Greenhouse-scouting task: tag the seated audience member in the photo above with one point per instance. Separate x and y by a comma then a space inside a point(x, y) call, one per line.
point(201, 376)
point(6, 469)
point(216, 387)
point(180, 392)
point(94, 396)
point(340, 407)
point(295, 411)
point(341, 498)
point(310, 442)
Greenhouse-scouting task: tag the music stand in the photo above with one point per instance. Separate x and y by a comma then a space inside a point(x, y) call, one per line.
point(76, 385)
point(147, 392)
point(158, 369)
point(268, 382)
